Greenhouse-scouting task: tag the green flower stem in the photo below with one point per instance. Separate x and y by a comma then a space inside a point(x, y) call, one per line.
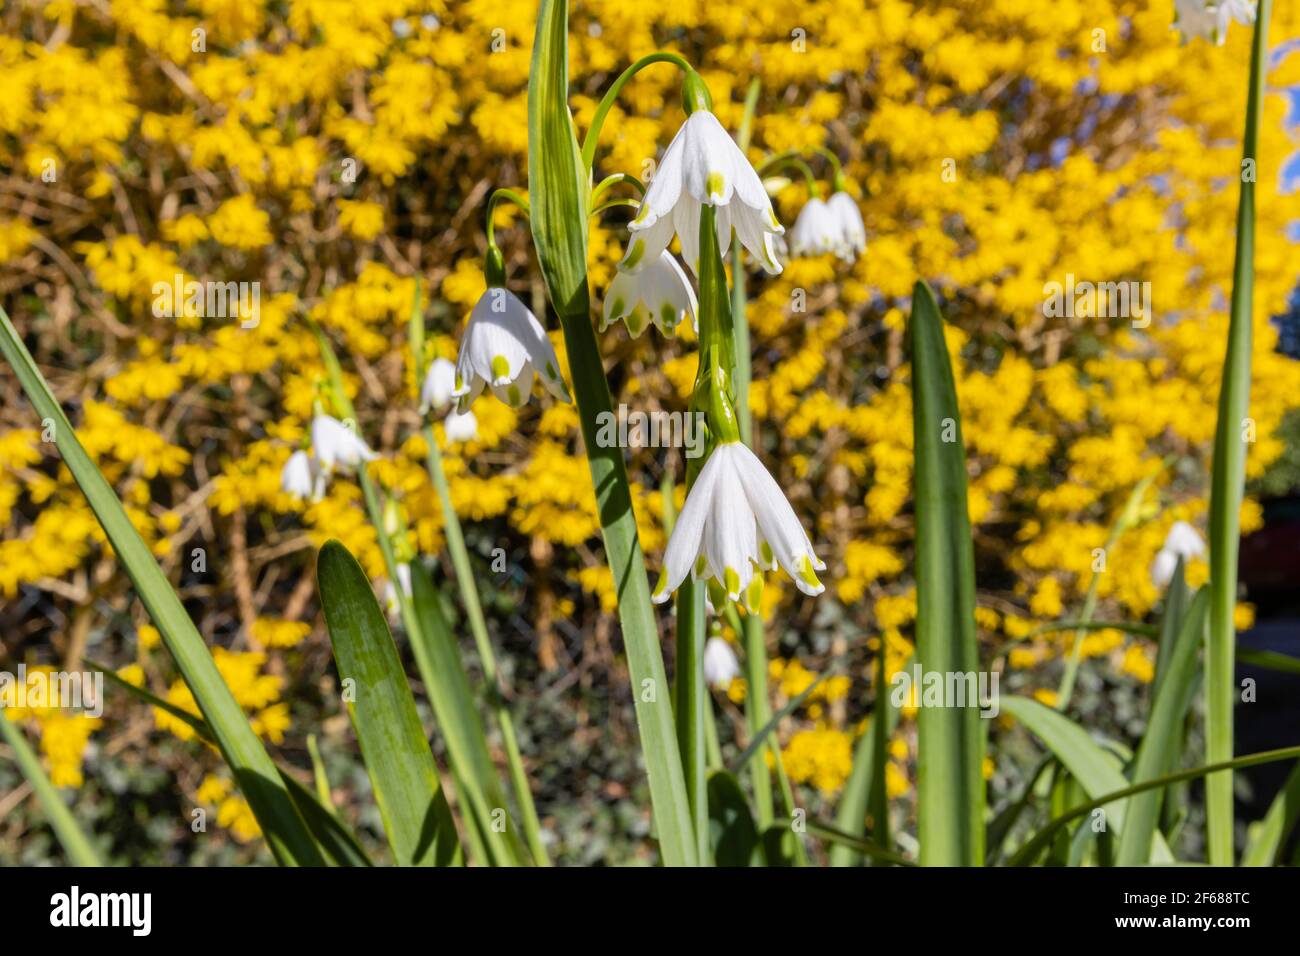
point(614, 180)
point(1228, 478)
point(478, 627)
point(607, 101)
point(500, 195)
point(691, 704)
point(784, 160)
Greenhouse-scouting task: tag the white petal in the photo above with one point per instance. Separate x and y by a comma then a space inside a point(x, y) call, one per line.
point(777, 522)
point(688, 533)
point(708, 163)
point(720, 664)
point(439, 383)
point(730, 536)
point(647, 243)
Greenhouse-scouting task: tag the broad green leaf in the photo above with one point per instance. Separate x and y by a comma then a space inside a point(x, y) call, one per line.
point(456, 711)
point(286, 832)
point(336, 842)
point(1031, 850)
point(779, 845)
point(1095, 770)
point(950, 782)
point(733, 838)
point(1228, 477)
point(1177, 598)
point(81, 852)
point(417, 819)
point(1268, 836)
point(558, 190)
point(1162, 741)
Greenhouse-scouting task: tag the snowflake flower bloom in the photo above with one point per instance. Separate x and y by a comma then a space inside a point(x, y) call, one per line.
point(1209, 19)
point(737, 518)
point(816, 231)
point(660, 293)
point(337, 445)
point(703, 166)
point(460, 426)
point(720, 664)
point(1181, 542)
point(853, 231)
point(504, 345)
point(439, 383)
point(297, 478)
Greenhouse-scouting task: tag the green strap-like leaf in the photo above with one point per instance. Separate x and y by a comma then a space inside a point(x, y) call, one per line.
point(864, 792)
point(1095, 770)
point(733, 838)
point(456, 711)
point(1162, 742)
point(558, 186)
point(950, 782)
point(1228, 476)
point(283, 826)
point(1268, 836)
point(413, 807)
point(81, 852)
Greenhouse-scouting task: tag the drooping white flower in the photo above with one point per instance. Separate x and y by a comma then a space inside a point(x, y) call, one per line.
point(703, 166)
point(296, 477)
point(336, 445)
point(461, 426)
point(391, 598)
point(736, 518)
point(720, 664)
point(1182, 541)
point(853, 231)
point(1209, 19)
point(816, 231)
point(660, 293)
point(439, 383)
point(504, 345)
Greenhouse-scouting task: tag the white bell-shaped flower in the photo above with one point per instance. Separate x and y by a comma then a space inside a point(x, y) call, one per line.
point(1209, 19)
point(817, 231)
point(848, 218)
point(337, 446)
point(736, 519)
point(460, 426)
point(703, 166)
point(297, 477)
point(1182, 541)
point(504, 345)
point(439, 384)
point(720, 664)
point(392, 599)
point(660, 293)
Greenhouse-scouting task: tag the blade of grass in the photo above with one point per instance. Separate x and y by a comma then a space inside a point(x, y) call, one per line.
point(950, 782)
point(285, 831)
point(75, 843)
point(857, 844)
point(1162, 740)
point(1228, 477)
point(417, 819)
point(319, 778)
point(1269, 660)
point(733, 838)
